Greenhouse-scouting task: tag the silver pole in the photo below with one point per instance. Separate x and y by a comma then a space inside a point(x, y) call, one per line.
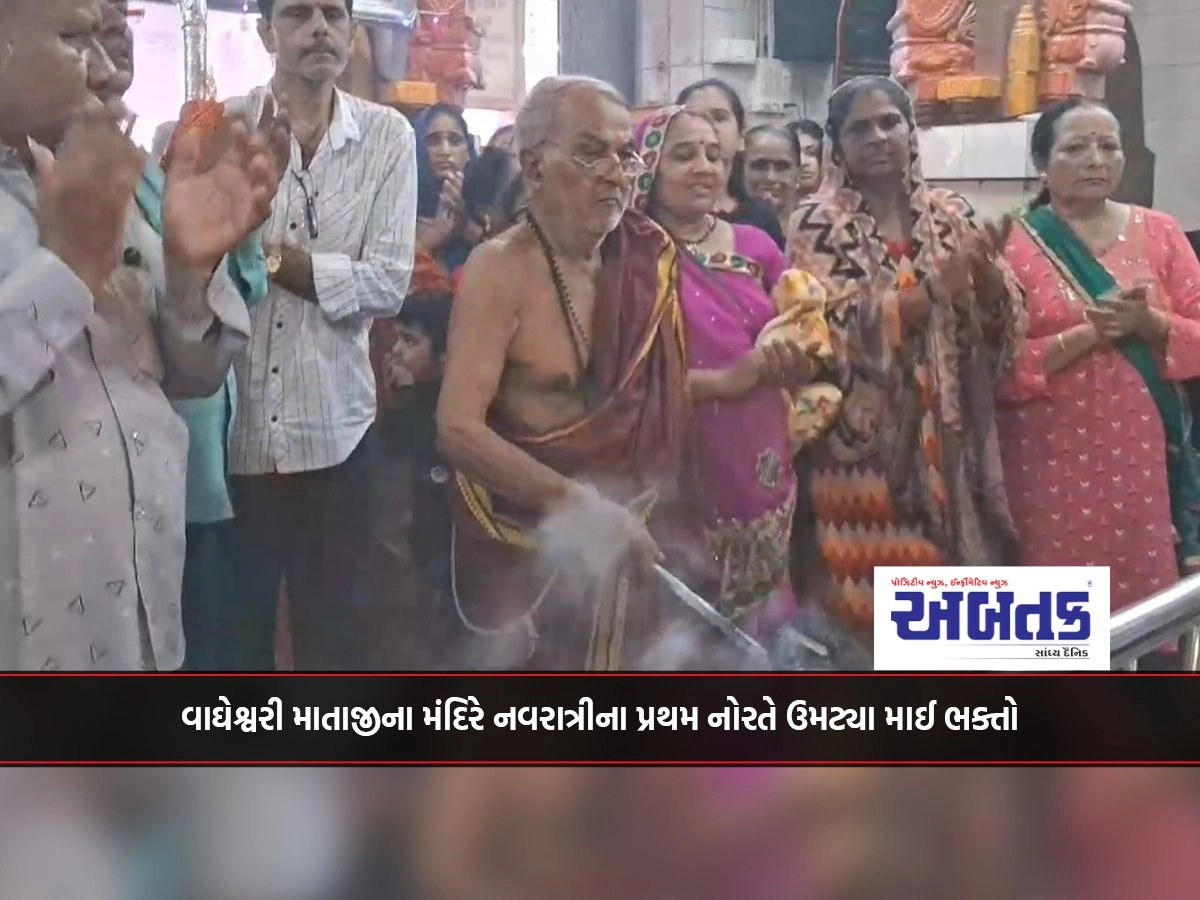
point(195, 48)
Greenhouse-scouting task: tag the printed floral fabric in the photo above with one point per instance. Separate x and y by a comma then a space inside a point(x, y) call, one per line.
point(1084, 451)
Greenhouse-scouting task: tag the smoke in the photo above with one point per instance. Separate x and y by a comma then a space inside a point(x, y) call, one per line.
point(694, 646)
point(585, 542)
point(586, 545)
point(583, 549)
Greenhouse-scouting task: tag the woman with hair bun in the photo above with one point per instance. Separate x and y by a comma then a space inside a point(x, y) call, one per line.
point(1095, 436)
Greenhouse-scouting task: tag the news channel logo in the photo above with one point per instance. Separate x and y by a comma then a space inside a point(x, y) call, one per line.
point(992, 618)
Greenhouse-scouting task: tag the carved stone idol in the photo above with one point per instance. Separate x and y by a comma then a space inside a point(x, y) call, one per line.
point(1084, 40)
point(933, 55)
point(444, 49)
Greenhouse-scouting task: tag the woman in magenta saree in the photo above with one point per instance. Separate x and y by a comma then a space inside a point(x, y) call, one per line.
point(726, 274)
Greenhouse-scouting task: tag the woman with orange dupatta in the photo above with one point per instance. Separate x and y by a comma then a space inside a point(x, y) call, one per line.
point(925, 316)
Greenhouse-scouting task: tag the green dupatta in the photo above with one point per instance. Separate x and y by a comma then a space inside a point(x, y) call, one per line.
point(1096, 286)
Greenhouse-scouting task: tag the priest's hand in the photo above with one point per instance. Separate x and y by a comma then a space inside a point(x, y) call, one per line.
point(208, 211)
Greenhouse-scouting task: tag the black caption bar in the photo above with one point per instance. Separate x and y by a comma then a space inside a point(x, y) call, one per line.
point(711, 719)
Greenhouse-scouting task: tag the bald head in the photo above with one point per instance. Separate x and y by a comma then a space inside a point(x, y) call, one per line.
point(541, 114)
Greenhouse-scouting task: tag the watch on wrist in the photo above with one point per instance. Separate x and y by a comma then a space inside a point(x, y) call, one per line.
point(274, 260)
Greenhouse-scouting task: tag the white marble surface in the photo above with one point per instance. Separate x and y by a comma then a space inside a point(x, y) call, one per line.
point(978, 152)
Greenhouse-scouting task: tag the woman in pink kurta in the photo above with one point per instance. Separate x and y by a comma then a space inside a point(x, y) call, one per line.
point(1083, 438)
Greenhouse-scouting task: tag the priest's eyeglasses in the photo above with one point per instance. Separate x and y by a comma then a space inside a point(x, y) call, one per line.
point(627, 162)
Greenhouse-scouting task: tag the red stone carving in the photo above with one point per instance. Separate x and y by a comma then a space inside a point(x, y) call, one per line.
point(932, 39)
point(1083, 41)
point(444, 49)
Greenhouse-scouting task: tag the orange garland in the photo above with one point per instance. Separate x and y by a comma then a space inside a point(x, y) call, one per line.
point(204, 116)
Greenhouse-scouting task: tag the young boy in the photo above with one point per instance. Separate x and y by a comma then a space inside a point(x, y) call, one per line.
point(412, 371)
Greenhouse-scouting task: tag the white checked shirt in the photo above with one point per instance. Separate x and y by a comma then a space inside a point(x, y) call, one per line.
point(306, 391)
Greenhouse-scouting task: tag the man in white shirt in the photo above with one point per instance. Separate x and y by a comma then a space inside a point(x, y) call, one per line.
point(340, 250)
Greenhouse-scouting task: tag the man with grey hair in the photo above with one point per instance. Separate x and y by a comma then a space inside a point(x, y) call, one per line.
point(563, 405)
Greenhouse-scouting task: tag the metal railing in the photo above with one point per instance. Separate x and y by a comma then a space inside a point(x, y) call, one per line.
point(1170, 615)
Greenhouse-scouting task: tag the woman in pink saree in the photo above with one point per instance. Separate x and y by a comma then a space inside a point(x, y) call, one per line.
point(726, 274)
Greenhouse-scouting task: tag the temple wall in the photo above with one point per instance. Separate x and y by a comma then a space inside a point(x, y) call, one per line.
point(681, 41)
point(599, 39)
point(1166, 31)
point(988, 163)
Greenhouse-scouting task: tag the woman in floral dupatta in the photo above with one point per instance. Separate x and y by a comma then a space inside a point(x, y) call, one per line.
point(1096, 431)
point(726, 273)
point(924, 317)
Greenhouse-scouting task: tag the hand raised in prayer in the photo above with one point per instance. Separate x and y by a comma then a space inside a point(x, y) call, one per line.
point(276, 124)
point(985, 248)
point(433, 232)
point(84, 193)
point(450, 200)
point(951, 280)
point(955, 278)
point(993, 237)
point(209, 210)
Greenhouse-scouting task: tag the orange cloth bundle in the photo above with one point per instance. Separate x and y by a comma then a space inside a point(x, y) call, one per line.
point(813, 408)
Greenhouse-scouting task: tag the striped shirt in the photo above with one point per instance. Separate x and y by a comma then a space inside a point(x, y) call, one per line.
point(306, 390)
